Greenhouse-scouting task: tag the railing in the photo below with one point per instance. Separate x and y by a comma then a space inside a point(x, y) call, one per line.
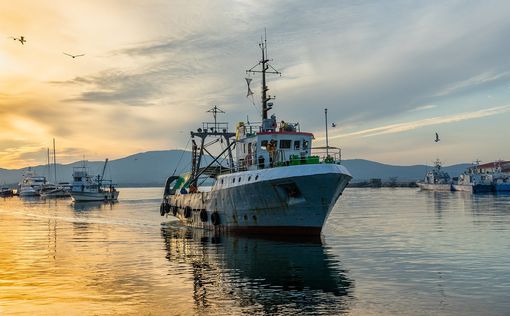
point(213, 127)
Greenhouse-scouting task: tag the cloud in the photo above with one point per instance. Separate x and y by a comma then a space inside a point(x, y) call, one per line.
point(407, 126)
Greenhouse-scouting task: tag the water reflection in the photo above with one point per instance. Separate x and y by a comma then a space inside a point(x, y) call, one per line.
point(91, 205)
point(259, 275)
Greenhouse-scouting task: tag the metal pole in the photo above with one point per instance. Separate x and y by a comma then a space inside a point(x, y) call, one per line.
point(55, 160)
point(327, 141)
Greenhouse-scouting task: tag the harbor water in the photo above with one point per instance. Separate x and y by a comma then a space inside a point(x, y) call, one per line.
point(383, 252)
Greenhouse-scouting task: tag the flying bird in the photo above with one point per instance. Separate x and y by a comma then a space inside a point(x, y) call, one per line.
point(437, 138)
point(74, 56)
point(21, 39)
point(333, 124)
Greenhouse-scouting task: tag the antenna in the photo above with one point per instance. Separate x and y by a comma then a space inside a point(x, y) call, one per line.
point(215, 110)
point(264, 62)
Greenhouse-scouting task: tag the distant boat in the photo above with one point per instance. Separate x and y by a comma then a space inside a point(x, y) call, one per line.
point(6, 192)
point(87, 188)
point(473, 181)
point(436, 179)
point(54, 190)
point(31, 184)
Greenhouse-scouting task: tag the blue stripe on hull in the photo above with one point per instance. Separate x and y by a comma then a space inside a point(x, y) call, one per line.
point(502, 187)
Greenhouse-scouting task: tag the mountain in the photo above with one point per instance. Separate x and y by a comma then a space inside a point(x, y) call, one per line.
point(153, 167)
point(143, 169)
point(365, 170)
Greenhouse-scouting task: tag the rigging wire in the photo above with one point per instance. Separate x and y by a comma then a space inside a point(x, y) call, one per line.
point(182, 154)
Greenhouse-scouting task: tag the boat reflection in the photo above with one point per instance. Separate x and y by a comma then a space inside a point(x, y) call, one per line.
point(91, 205)
point(261, 275)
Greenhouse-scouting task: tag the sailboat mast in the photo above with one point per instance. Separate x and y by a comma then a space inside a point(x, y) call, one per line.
point(55, 160)
point(48, 166)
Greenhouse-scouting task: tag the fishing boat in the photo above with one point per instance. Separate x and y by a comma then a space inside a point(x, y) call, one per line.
point(474, 181)
point(265, 178)
point(31, 183)
point(87, 188)
point(436, 179)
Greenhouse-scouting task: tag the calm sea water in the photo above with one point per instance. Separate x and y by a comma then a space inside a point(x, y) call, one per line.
point(384, 252)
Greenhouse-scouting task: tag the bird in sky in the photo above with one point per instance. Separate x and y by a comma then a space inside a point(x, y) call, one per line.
point(333, 124)
point(437, 138)
point(21, 39)
point(74, 56)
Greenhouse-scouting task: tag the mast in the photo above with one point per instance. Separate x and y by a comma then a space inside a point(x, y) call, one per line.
point(264, 62)
point(327, 141)
point(48, 166)
point(54, 161)
point(104, 169)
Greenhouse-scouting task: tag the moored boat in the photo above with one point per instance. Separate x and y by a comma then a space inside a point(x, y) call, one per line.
point(31, 183)
point(272, 183)
point(6, 192)
point(436, 179)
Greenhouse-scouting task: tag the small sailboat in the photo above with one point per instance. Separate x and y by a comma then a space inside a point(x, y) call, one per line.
point(54, 190)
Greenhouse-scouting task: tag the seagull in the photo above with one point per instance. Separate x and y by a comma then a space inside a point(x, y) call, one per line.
point(73, 56)
point(21, 39)
point(333, 124)
point(437, 138)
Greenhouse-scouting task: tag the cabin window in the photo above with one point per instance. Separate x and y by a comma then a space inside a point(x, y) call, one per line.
point(264, 143)
point(305, 144)
point(249, 178)
point(297, 144)
point(239, 180)
point(234, 180)
point(256, 177)
point(285, 144)
point(244, 147)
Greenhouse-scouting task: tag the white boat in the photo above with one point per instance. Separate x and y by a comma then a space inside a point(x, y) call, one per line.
point(436, 179)
point(271, 183)
point(87, 188)
point(474, 181)
point(31, 183)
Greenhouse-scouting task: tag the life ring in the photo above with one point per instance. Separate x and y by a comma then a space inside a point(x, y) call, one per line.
point(203, 215)
point(215, 218)
point(187, 212)
point(162, 209)
point(247, 160)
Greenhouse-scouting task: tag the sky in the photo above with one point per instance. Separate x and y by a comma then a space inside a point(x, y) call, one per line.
point(391, 74)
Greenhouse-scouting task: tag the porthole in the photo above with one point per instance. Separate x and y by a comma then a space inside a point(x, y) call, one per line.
point(234, 180)
point(239, 179)
point(249, 178)
point(256, 177)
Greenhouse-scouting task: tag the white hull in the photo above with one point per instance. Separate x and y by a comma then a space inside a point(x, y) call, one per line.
point(462, 187)
point(28, 191)
point(434, 186)
point(293, 199)
point(94, 196)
